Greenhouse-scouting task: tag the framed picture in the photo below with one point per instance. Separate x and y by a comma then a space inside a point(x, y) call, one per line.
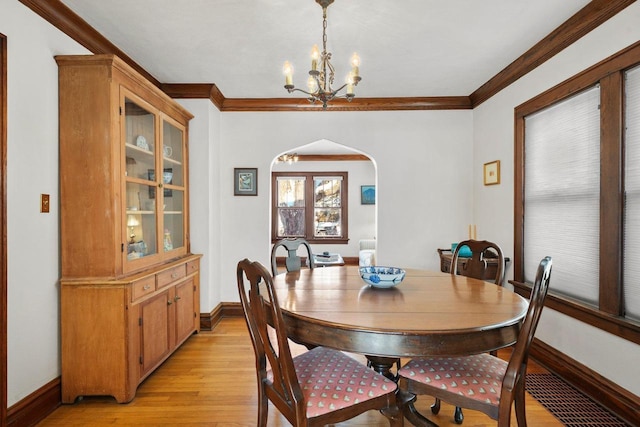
point(492, 173)
point(245, 181)
point(367, 194)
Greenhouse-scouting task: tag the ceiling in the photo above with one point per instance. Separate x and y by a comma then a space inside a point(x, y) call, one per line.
point(408, 48)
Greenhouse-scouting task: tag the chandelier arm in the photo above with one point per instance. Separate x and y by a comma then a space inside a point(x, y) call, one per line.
point(295, 89)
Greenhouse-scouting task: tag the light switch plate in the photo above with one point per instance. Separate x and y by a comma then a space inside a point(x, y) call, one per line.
point(44, 203)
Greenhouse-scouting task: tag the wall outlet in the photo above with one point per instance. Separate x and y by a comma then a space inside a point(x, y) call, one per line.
point(44, 203)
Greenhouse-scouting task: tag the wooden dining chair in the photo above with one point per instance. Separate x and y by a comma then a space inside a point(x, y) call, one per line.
point(292, 261)
point(318, 387)
point(476, 265)
point(483, 382)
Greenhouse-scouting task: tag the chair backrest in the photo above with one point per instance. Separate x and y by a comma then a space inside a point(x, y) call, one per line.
point(518, 362)
point(366, 244)
point(293, 261)
point(476, 266)
point(259, 303)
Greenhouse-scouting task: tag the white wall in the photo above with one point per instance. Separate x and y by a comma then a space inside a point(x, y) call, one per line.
point(493, 207)
point(33, 240)
point(204, 209)
point(423, 159)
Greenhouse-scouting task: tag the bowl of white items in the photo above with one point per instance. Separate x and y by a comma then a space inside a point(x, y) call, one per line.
point(382, 277)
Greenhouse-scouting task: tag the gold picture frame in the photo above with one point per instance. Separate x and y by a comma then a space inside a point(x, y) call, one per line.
point(492, 173)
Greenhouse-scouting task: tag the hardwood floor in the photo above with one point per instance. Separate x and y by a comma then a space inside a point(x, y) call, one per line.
point(210, 381)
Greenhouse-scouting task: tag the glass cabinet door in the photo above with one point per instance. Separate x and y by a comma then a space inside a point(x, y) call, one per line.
point(173, 182)
point(140, 189)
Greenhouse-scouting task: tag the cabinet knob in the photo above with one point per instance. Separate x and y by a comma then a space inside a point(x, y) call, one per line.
point(174, 275)
point(176, 298)
point(169, 302)
point(146, 287)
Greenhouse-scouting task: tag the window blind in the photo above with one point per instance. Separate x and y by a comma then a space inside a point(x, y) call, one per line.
point(562, 194)
point(631, 262)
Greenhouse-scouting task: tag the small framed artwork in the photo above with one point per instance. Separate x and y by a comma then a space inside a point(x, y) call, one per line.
point(492, 173)
point(367, 194)
point(245, 181)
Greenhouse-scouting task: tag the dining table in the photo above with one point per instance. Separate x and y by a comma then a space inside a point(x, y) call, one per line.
point(429, 313)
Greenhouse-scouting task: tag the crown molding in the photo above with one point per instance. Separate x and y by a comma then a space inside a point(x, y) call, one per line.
point(63, 18)
point(581, 23)
point(356, 104)
point(301, 104)
point(210, 91)
point(195, 91)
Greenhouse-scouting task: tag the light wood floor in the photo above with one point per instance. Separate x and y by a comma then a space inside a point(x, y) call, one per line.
point(210, 381)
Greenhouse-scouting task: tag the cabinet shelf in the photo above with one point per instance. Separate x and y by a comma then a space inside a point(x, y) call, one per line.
point(137, 149)
point(172, 161)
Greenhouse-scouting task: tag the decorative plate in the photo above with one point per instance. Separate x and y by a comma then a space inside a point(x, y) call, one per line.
point(141, 142)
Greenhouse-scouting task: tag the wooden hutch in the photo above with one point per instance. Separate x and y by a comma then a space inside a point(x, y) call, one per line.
point(129, 286)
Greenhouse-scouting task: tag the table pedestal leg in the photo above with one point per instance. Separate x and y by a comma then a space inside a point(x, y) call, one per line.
point(383, 365)
point(406, 402)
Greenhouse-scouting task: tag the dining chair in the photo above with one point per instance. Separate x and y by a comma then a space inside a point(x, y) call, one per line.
point(292, 261)
point(483, 382)
point(476, 265)
point(318, 387)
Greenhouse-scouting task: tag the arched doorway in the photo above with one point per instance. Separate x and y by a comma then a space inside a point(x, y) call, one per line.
point(326, 156)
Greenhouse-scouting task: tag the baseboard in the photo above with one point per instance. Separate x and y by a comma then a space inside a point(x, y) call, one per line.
point(209, 320)
point(616, 399)
point(351, 260)
point(35, 407)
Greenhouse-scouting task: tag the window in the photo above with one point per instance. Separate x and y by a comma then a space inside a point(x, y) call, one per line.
point(578, 194)
point(562, 178)
point(632, 194)
point(312, 205)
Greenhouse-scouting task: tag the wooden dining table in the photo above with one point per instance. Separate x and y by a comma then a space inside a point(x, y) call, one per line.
point(429, 313)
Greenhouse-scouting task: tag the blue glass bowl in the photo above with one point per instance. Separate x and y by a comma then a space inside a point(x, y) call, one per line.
point(382, 277)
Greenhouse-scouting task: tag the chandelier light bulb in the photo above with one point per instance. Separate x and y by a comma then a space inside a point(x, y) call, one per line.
point(355, 64)
point(287, 69)
point(315, 56)
point(350, 81)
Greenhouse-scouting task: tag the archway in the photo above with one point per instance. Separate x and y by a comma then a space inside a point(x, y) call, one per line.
point(328, 156)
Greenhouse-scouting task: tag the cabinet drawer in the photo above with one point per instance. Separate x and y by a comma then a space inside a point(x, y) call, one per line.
point(170, 276)
point(143, 287)
point(193, 266)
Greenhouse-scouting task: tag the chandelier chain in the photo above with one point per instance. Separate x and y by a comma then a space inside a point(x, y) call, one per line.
point(324, 29)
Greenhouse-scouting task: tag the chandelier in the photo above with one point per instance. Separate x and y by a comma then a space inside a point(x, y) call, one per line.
point(287, 158)
point(321, 76)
